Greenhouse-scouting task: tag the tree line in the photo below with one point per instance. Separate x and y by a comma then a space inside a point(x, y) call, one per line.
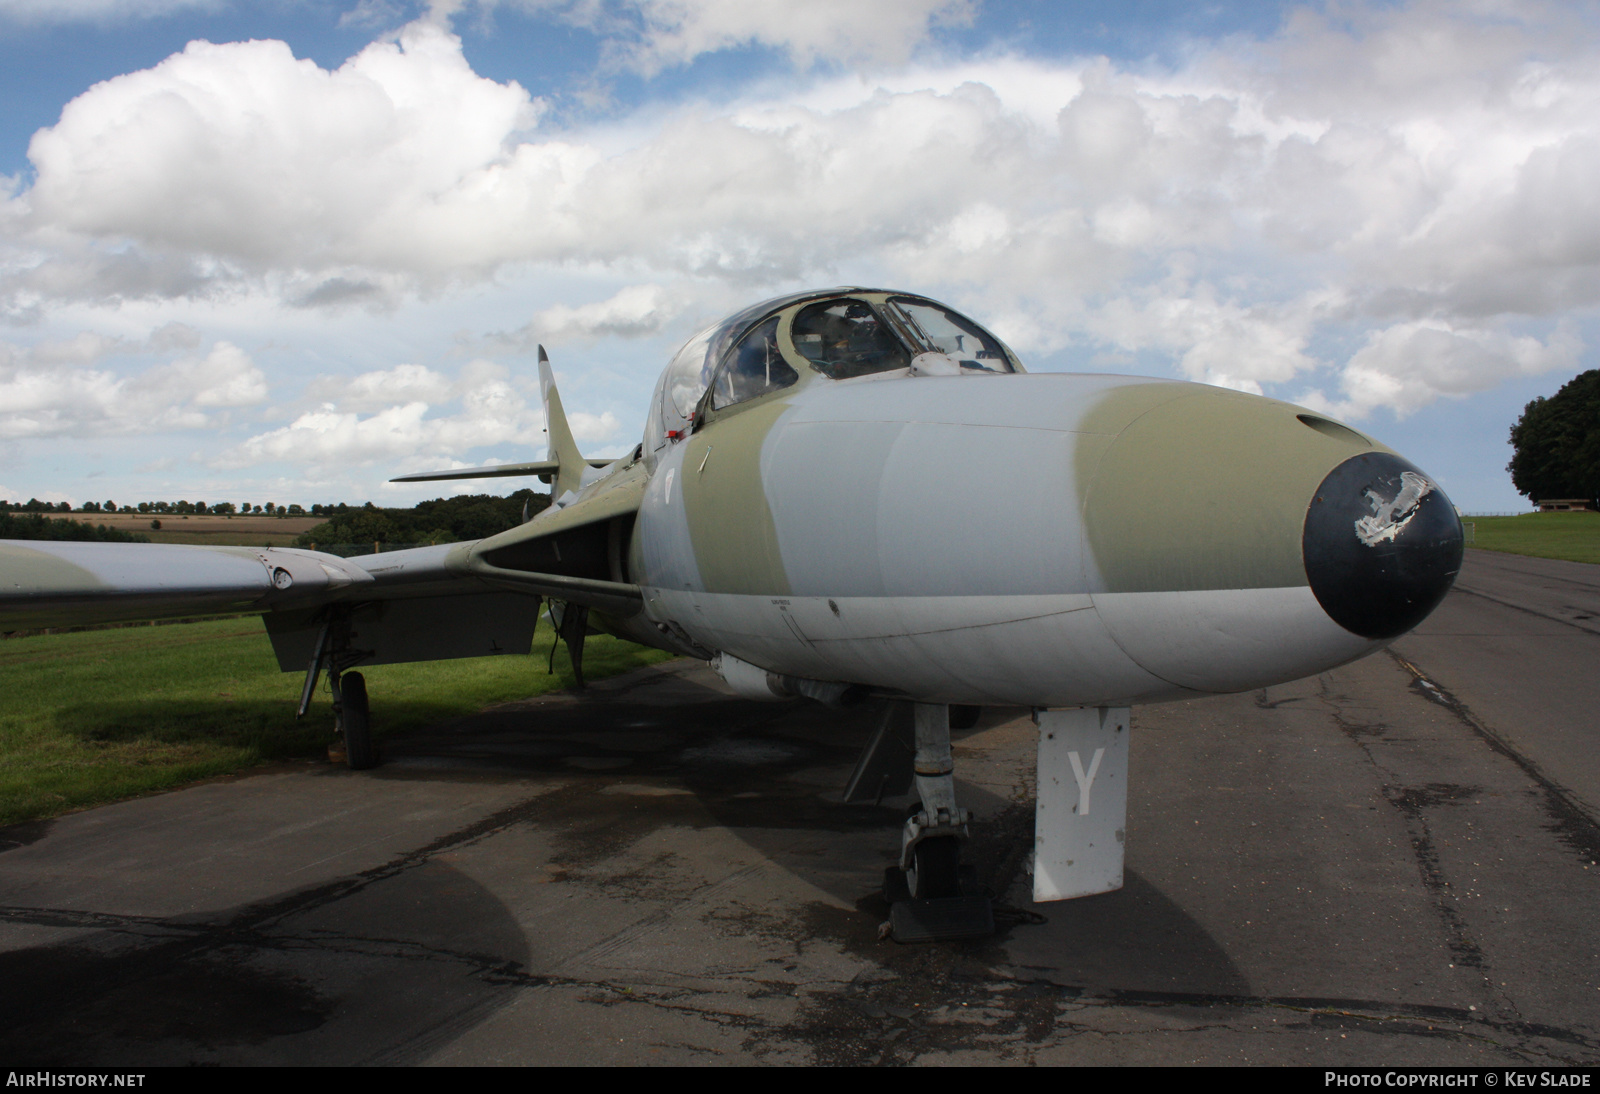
point(442, 520)
point(184, 508)
point(36, 525)
point(1556, 443)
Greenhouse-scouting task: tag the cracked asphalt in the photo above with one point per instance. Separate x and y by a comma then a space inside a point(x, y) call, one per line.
point(1391, 863)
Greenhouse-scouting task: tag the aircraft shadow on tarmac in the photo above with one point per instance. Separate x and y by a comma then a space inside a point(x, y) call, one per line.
point(393, 963)
point(361, 970)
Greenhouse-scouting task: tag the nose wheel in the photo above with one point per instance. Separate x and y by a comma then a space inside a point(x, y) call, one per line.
point(935, 870)
point(932, 897)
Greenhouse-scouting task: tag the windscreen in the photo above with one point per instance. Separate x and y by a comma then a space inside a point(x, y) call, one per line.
point(846, 338)
point(755, 367)
point(943, 330)
point(688, 374)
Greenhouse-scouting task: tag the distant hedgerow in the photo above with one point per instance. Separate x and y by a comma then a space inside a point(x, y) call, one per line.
point(37, 526)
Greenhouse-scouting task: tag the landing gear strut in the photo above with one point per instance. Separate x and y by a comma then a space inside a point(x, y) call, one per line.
point(572, 627)
point(931, 896)
point(352, 717)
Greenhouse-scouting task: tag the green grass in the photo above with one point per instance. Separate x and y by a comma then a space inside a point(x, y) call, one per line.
point(1571, 536)
point(97, 716)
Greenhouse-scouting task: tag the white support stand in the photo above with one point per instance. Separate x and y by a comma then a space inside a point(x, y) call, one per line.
point(1082, 802)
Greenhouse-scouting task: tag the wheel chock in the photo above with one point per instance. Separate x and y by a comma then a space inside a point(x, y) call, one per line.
point(943, 919)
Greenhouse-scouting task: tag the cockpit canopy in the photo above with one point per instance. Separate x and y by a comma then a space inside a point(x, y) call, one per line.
point(837, 334)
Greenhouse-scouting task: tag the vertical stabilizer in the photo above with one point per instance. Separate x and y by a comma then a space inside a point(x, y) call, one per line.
point(563, 449)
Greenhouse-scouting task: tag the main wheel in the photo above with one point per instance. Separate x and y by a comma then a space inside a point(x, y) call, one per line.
point(356, 721)
point(935, 868)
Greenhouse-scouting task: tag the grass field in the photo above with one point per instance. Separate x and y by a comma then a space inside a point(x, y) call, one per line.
point(100, 715)
point(1571, 536)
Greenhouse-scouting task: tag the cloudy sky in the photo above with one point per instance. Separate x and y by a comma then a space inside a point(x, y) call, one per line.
point(258, 251)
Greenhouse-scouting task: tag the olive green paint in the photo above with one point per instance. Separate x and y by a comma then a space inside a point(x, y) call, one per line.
point(1157, 516)
point(616, 495)
point(29, 570)
point(730, 524)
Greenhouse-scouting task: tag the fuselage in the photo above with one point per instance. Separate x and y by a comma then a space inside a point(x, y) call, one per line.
point(964, 532)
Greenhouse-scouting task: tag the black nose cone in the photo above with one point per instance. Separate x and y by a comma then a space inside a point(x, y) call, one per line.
point(1382, 545)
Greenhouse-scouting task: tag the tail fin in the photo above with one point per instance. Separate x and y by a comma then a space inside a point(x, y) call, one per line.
point(563, 449)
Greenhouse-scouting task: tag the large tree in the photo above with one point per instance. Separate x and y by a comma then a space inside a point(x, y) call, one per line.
point(1556, 443)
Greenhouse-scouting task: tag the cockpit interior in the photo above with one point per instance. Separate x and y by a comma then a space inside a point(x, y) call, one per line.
point(835, 335)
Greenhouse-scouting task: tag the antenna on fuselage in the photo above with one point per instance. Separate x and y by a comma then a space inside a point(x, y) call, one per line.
point(563, 449)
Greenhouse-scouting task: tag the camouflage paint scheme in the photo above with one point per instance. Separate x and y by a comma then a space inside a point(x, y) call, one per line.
point(1038, 540)
point(1044, 540)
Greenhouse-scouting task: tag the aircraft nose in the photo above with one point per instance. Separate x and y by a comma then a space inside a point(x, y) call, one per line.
point(1382, 545)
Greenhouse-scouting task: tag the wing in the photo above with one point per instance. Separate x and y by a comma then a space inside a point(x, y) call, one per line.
point(427, 603)
point(56, 584)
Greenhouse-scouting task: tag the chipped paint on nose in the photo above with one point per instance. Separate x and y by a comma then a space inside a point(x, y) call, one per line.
point(1382, 545)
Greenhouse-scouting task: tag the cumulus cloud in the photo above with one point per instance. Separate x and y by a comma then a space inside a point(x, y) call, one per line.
point(171, 157)
point(373, 391)
point(1412, 173)
point(410, 418)
point(49, 397)
point(88, 347)
point(1408, 365)
point(649, 35)
point(634, 311)
point(593, 427)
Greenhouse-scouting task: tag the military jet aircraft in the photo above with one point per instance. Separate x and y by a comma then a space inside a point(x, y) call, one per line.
point(861, 495)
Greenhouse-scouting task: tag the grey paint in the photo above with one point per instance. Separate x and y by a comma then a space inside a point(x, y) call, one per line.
point(823, 483)
point(171, 569)
point(989, 512)
point(930, 495)
point(663, 528)
point(1018, 401)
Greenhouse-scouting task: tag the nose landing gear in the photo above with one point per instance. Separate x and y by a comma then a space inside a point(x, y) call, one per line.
point(932, 896)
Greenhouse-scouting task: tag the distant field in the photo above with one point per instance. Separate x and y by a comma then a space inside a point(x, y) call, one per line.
point(96, 716)
point(220, 531)
point(1571, 536)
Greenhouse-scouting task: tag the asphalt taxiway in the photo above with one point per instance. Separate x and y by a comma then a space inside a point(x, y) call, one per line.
point(1394, 862)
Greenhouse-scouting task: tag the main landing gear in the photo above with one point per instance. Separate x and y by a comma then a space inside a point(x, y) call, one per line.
point(932, 896)
point(352, 716)
point(353, 719)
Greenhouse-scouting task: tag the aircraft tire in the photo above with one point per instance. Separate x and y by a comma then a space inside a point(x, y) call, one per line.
point(356, 718)
point(935, 868)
